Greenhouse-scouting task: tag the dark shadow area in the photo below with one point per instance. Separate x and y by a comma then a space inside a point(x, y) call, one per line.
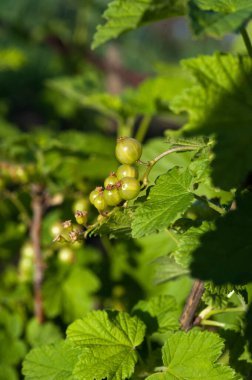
point(225, 252)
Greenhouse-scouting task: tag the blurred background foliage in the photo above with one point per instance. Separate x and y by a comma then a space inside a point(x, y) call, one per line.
point(61, 108)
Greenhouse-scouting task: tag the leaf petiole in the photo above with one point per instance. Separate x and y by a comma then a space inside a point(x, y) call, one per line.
point(208, 312)
point(247, 41)
point(212, 323)
point(143, 128)
point(166, 153)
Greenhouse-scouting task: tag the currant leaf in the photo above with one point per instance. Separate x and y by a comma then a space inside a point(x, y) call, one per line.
point(168, 269)
point(167, 200)
point(69, 292)
point(219, 100)
point(51, 362)
point(217, 18)
point(216, 296)
point(117, 225)
point(124, 15)
point(192, 356)
point(108, 341)
point(159, 313)
point(187, 243)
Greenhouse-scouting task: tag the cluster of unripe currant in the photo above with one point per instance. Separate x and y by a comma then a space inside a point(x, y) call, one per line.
point(122, 185)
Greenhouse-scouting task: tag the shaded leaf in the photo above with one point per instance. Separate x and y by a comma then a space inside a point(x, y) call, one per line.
point(217, 18)
point(220, 104)
point(51, 362)
point(46, 333)
point(158, 313)
point(69, 292)
point(167, 269)
point(217, 295)
point(7, 372)
point(224, 255)
point(187, 242)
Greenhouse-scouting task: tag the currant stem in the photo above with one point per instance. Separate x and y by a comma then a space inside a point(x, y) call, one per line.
point(193, 300)
point(143, 128)
point(20, 207)
point(219, 209)
point(247, 41)
point(208, 312)
point(212, 323)
point(166, 153)
point(212, 205)
point(125, 128)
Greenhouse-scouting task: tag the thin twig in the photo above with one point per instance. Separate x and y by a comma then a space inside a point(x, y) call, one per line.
point(143, 128)
point(212, 205)
point(192, 303)
point(37, 205)
point(19, 205)
point(247, 41)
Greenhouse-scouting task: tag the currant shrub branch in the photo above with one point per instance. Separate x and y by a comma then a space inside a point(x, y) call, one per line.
point(123, 185)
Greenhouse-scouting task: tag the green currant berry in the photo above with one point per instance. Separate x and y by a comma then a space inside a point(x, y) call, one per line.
point(129, 188)
point(128, 150)
point(126, 171)
point(20, 175)
point(56, 229)
point(81, 217)
point(112, 196)
point(25, 269)
point(27, 251)
point(94, 194)
point(80, 205)
point(100, 202)
point(66, 256)
point(111, 180)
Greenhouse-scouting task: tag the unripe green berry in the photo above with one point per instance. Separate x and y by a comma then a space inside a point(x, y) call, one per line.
point(100, 203)
point(112, 196)
point(27, 251)
point(128, 150)
point(94, 194)
point(111, 180)
point(81, 217)
point(129, 188)
point(66, 256)
point(26, 267)
point(126, 171)
point(80, 205)
point(56, 229)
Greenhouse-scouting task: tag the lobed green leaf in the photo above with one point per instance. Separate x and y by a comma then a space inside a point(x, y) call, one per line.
point(167, 200)
point(192, 356)
point(124, 15)
point(108, 341)
point(51, 362)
